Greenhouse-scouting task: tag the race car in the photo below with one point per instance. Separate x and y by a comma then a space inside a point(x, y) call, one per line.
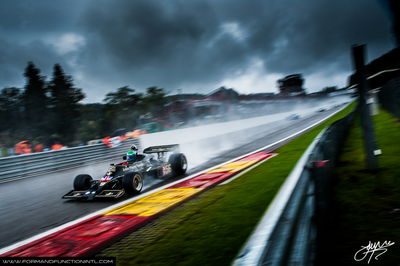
point(293, 117)
point(127, 178)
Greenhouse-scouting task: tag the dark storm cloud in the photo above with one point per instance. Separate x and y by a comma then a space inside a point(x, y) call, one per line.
point(174, 42)
point(180, 44)
point(32, 17)
point(24, 26)
point(14, 57)
point(322, 32)
point(163, 42)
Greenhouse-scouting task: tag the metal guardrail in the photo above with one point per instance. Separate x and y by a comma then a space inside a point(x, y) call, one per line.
point(21, 166)
point(294, 225)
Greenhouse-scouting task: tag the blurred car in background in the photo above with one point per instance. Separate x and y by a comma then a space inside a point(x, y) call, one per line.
point(293, 117)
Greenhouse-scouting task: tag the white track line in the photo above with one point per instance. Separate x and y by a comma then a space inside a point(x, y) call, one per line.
point(61, 227)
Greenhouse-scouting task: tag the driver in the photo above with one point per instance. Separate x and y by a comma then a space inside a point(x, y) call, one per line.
point(133, 156)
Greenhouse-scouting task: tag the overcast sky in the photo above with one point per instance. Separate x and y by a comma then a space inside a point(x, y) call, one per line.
point(195, 46)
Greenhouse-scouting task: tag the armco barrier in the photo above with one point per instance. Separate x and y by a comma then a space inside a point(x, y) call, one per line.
point(294, 223)
point(16, 167)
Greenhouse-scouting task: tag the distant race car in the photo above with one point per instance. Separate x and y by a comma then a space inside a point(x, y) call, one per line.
point(293, 117)
point(127, 178)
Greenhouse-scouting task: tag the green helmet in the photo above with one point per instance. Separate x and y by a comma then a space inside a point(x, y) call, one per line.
point(131, 155)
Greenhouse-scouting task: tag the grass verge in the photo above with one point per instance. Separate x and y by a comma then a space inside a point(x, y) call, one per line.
point(367, 205)
point(211, 228)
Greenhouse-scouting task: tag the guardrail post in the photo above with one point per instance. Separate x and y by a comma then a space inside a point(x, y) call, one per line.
point(320, 177)
point(366, 122)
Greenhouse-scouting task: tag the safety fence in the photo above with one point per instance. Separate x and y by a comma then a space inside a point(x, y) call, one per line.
point(21, 166)
point(294, 225)
point(389, 96)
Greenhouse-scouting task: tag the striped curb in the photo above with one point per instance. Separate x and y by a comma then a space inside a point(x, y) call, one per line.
point(88, 236)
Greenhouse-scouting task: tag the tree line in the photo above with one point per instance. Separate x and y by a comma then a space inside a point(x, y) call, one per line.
point(51, 111)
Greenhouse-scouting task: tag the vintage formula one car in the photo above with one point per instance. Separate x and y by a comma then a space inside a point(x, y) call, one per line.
point(127, 178)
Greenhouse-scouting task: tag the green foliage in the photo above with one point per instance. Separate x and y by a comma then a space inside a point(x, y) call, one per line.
point(124, 107)
point(52, 110)
point(10, 116)
point(121, 110)
point(88, 130)
point(154, 100)
point(124, 96)
point(42, 110)
point(91, 116)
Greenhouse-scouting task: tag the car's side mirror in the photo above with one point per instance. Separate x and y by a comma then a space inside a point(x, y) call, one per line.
point(124, 157)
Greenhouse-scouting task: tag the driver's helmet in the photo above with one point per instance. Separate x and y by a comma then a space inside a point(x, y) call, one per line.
point(134, 148)
point(131, 155)
point(111, 170)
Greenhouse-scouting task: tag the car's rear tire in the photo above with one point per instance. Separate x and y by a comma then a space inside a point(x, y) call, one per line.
point(178, 163)
point(132, 183)
point(82, 182)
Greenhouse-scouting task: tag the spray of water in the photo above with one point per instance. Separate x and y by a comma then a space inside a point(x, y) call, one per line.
point(200, 143)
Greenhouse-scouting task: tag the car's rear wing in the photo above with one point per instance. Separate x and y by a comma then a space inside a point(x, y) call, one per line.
point(162, 148)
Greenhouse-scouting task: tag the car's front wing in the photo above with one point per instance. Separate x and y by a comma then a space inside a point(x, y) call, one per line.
point(84, 194)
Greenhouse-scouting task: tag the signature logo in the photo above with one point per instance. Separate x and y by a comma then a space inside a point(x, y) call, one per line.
point(375, 249)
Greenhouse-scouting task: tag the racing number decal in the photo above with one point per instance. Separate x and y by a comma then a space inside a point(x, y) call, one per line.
point(166, 169)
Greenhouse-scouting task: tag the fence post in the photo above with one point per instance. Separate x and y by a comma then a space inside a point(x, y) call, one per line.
point(366, 122)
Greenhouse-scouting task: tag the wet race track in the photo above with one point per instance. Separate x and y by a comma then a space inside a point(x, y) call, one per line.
point(33, 205)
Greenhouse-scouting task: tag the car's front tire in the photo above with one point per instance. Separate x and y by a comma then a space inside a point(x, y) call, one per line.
point(132, 183)
point(82, 182)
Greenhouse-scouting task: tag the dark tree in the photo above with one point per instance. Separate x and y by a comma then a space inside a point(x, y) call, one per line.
point(154, 100)
point(64, 99)
point(121, 110)
point(124, 96)
point(10, 111)
point(35, 103)
point(91, 116)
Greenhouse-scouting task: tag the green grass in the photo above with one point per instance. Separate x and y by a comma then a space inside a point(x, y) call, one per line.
point(211, 228)
point(368, 204)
